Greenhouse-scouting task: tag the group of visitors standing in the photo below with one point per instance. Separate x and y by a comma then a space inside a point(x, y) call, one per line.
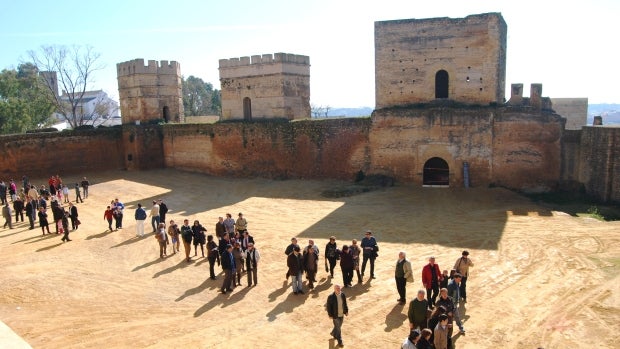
point(435, 307)
point(34, 203)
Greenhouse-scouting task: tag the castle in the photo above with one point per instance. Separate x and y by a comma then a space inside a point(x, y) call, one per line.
point(440, 120)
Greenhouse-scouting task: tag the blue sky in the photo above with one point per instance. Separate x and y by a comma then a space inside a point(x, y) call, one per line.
point(571, 47)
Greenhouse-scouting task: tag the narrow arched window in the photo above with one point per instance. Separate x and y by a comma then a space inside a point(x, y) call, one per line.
point(442, 83)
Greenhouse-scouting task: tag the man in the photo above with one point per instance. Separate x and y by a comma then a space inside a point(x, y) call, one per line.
point(451, 311)
point(229, 224)
point(163, 209)
point(252, 257)
point(289, 249)
point(346, 265)
point(241, 224)
point(228, 265)
point(453, 292)
point(7, 214)
point(73, 215)
point(431, 277)
point(220, 229)
point(417, 314)
point(154, 215)
point(187, 234)
point(402, 274)
point(331, 255)
point(411, 340)
point(462, 267)
point(440, 339)
point(31, 209)
point(78, 197)
point(295, 269)
point(140, 216)
point(369, 252)
point(3, 190)
point(119, 207)
point(85, 184)
point(18, 207)
point(33, 193)
point(336, 310)
point(223, 244)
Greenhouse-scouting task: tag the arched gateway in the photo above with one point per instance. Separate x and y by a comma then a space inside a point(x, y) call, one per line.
point(436, 172)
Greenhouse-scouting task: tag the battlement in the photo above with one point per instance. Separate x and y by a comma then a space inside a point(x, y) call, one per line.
point(265, 59)
point(137, 66)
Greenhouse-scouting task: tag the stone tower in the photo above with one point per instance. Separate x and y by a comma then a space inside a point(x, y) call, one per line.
point(150, 92)
point(423, 60)
point(267, 86)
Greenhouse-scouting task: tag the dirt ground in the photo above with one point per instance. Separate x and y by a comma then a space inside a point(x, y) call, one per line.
point(541, 278)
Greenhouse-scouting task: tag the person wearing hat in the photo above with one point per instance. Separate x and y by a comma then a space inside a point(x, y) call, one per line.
point(241, 224)
point(462, 267)
point(369, 252)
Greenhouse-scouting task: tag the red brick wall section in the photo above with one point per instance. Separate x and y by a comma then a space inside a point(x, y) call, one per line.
point(301, 149)
point(600, 162)
point(66, 152)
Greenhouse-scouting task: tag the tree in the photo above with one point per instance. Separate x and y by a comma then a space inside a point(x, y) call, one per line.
point(71, 69)
point(24, 103)
point(316, 110)
point(199, 97)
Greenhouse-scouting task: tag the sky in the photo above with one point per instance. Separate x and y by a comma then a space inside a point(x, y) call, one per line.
point(571, 47)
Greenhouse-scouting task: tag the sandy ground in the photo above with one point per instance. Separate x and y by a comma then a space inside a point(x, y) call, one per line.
point(541, 278)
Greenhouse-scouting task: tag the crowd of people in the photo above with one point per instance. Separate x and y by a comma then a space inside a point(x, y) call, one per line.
point(430, 314)
point(34, 202)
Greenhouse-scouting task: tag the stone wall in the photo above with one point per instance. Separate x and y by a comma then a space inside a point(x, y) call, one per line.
point(409, 53)
point(150, 92)
point(64, 153)
point(261, 87)
point(301, 149)
point(600, 162)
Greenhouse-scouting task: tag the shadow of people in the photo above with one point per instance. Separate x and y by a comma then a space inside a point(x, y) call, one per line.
point(395, 318)
point(182, 264)
point(100, 235)
point(278, 292)
point(291, 302)
point(49, 247)
point(224, 300)
point(37, 238)
point(193, 291)
point(133, 240)
point(147, 264)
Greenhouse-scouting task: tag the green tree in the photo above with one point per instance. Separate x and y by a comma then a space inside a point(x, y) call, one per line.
point(24, 103)
point(199, 97)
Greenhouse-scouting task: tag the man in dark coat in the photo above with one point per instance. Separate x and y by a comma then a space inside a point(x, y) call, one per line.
point(229, 267)
point(336, 310)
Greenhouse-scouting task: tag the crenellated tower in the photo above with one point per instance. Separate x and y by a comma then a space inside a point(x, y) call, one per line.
point(150, 92)
point(267, 86)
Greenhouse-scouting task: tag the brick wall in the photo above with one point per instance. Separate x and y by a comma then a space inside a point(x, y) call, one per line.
point(600, 162)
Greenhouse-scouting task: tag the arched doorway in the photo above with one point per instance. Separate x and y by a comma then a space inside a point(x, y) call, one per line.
point(442, 83)
point(436, 172)
point(166, 114)
point(247, 108)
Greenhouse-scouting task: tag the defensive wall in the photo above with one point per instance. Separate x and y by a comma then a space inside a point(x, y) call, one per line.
point(505, 146)
point(74, 152)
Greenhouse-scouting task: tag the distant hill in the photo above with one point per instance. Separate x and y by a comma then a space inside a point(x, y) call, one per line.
point(609, 111)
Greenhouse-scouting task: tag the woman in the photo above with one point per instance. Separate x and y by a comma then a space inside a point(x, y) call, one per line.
point(411, 340)
point(355, 251)
point(424, 342)
point(160, 235)
point(311, 265)
point(239, 257)
point(43, 220)
point(213, 254)
point(199, 237)
point(173, 231)
point(434, 319)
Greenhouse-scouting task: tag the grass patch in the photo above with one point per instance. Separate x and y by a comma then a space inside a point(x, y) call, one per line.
point(576, 204)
